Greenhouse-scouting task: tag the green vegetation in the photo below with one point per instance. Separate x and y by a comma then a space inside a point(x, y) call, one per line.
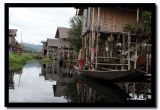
point(134, 28)
point(146, 16)
point(75, 33)
point(145, 26)
point(16, 61)
point(46, 60)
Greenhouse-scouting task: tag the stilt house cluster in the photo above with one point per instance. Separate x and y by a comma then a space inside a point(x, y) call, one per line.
point(59, 45)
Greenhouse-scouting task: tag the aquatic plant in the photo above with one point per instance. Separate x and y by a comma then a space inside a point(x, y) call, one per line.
point(16, 61)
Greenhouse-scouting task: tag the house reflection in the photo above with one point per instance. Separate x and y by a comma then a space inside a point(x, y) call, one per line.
point(49, 71)
point(62, 76)
point(11, 77)
point(86, 94)
point(11, 81)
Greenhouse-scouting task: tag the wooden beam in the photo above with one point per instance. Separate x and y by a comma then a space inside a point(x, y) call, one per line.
point(108, 69)
point(111, 64)
point(109, 57)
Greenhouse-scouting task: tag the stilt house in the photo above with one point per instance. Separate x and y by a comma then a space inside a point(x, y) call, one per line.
point(109, 46)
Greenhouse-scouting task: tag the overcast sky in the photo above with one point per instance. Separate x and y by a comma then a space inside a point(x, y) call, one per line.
point(37, 24)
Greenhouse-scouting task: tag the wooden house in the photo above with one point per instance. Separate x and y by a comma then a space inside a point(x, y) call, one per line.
point(109, 46)
point(52, 47)
point(44, 48)
point(12, 39)
point(14, 46)
point(64, 46)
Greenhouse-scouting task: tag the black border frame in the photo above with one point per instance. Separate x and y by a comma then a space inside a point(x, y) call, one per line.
point(151, 6)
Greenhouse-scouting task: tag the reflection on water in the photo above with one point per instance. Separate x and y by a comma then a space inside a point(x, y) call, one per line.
point(11, 75)
point(38, 82)
point(29, 86)
point(136, 90)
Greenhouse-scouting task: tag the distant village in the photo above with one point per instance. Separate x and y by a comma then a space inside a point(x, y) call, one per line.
point(59, 45)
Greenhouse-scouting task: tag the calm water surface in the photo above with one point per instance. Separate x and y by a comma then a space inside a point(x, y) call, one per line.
point(29, 86)
point(46, 83)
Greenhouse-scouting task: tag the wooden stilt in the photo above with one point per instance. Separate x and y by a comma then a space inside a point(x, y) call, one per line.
point(147, 58)
point(129, 43)
point(123, 50)
point(97, 36)
point(92, 39)
point(90, 45)
point(87, 47)
point(136, 48)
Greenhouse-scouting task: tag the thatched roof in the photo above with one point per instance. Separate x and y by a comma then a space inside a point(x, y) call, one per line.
point(128, 7)
point(12, 32)
point(52, 42)
point(62, 32)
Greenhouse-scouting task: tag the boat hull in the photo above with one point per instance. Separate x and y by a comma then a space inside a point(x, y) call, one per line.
point(108, 75)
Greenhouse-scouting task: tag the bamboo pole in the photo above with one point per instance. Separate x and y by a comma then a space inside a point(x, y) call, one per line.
point(87, 46)
point(123, 50)
point(147, 58)
point(97, 36)
point(92, 38)
point(85, 40)
point(90, 42)
point(129, 43)
point(135, 63)
point(137, 15)
point(111, 58)
point(82, 42)
point(113, 64)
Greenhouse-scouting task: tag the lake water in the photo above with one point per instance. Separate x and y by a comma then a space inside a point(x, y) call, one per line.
point(47, 83)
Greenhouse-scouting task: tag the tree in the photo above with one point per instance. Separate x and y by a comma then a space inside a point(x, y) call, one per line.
point(75, 33)
point(146, 16)
point(140, 27)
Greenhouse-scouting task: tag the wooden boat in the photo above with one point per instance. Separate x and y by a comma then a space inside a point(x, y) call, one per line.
point(109, 75)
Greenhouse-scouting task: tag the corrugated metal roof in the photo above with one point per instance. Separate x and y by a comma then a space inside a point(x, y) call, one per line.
point(62, 32)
